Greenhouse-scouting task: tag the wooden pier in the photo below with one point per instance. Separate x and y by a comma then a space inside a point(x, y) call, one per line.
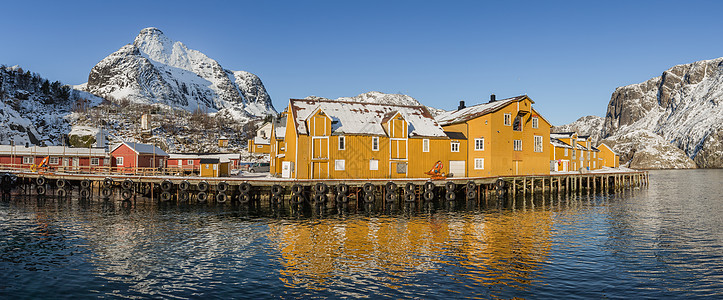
point(295, 192)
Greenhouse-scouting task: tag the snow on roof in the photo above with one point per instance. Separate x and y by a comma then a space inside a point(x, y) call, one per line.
point(364, 118)
point(562, 135)
point(220, 156)
point(142, 148)
point(559, 144)
point(261, 141)
point(465, 114)
point(51, 151)
point(280, 128)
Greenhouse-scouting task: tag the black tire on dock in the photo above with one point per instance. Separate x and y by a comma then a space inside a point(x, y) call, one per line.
point(127, 184)
point(40, 190)
point(202, 197)
point(409, 188)
point(369, 198)
point(107, 182)
point(106, 192)
point(450, 196)
point(342, 188)
point(500, 183)
point(450, 186)
point(245, 188)
point(297, 199)
point(126, 194)
point(165, 196)
point(277, 190)
point(409, 197)
point(368, 188)
point(222, 186)
point(40, 180)
point(85, 183)
point(61, 183)
point(321, 188)
point(221, 197)
point(471, 185)
point(183, 196)
point(320, 198)
point(62, 193)
point(342, 198)
point(428, 195)
point(391, 187)
point(166, 185)
point(85, 193)
point(184, 185)
point(202, 186)
point(297, 188)
point(429, 186)
point(390, 197)
point(471, 195)
point(244, 198)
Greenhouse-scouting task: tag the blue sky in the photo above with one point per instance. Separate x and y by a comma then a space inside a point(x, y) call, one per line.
point(567, 56)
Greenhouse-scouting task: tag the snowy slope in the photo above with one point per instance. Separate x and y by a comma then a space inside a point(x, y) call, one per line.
point(589, 125)
point(682, 106)
point(156, 69)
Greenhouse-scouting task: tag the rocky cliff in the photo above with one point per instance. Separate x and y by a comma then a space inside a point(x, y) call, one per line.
point(681, 108)
point(156, 69)
point(589, 125)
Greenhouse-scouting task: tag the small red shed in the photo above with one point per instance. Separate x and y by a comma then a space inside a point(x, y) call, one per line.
point(128, 156)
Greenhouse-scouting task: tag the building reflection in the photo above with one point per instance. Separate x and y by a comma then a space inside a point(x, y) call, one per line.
point(495, 248)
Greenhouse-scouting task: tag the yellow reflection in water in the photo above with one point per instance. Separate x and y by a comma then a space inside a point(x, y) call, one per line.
point(488, 248)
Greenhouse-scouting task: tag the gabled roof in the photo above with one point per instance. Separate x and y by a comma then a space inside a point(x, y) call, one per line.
point(608, 147)
point(469, 113)
point(261, 141)
point(562, 135)
point(142, 148)
point(559, 144)
point(455, 135)
point(280, 128)
point(363, 118)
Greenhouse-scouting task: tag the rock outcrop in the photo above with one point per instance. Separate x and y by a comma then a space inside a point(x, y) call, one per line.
point(589, 125)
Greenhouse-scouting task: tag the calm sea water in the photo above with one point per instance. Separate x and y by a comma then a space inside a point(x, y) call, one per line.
point(664, 241)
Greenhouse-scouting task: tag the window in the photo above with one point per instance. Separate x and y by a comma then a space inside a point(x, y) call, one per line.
point(189, 162)
point(54, 160)
point(479, 163)
point(508, 118)
point(260, 146)
point(517, 145)
point(517, 126)
point(119, 161)
point(538, 143)
point(594, 165)
point(535, 122)
point(28, 160)
point(594, 155)
point(94, 161)
point(588, 155)
point(566, 152)
point(180, 162)
point(339, 165)
point(425, 145)
point(455, 146)
point(342, 143)
point(373, 164)
point(479, 144)
point(375, 143)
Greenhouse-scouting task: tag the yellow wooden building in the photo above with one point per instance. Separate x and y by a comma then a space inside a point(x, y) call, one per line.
point(337, 139)
point(277, 144)
point(259, 145)
point(560, 155)
point(214, 167)
point(504, 137)
point(608, 157)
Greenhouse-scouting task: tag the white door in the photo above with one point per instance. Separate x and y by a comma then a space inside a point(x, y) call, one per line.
point(285, 169)
point(456, 168)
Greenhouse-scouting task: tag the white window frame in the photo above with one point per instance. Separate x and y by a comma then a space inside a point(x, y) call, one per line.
point(538, 143)
point(373, 164)
point(189, 162)
point(454, 146)
point(375, 143)
point(508, 119)
point(342, 142)
point(54, 160)
point(119, 161)
point(97, 161)
point(566, 153)
point(479, 163)
point(535, 122)
point(588, 155)
point(479, 144)
point(425, 145)
point(28, 160)
point(574, 153)
point(339, 165)
point(594, 155)
point(517, 145)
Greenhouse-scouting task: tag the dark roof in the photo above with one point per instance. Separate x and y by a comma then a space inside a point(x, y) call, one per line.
point(209, 160)
point(455, 135)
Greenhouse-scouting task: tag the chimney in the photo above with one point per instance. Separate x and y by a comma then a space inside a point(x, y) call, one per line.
point(493, 98)
point(461, 105)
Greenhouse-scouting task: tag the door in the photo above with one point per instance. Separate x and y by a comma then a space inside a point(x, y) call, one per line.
point(320, 148)
point(320, 170)
point(398, 149)
point(285, 169)
point(76, 162)
point(517, 166)
point(456, 168)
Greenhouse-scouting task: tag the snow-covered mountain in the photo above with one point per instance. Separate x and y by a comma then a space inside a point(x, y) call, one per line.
point(589, 125)
point(683, 107)
point(156, 69)
point(34, 110)
point(382, 98)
